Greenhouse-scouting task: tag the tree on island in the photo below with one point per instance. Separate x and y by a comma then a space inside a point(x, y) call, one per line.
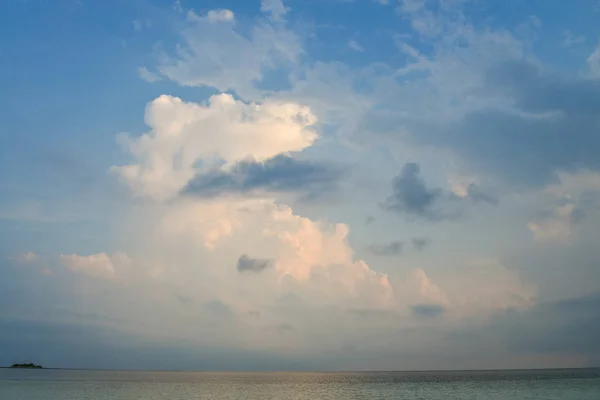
point(28, 365)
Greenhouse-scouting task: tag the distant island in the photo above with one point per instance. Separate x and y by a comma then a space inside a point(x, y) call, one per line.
point(29, 365)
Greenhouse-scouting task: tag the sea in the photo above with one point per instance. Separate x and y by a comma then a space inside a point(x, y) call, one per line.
point(580, 384)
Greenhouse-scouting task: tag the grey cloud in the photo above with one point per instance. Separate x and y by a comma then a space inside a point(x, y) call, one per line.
point(247, 264)
point(284, 327)
point(411, 195)
point(183, 299)
point(476, 195)
point(421, 243)
point(390, 249)
point(217, 307)
point(427, 310)
point(556, 127)
point(280, 174)
point(571, 325)
point(61, 345)
point(290, 300)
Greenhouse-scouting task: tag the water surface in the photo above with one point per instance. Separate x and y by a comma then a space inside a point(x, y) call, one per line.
point(128, 385)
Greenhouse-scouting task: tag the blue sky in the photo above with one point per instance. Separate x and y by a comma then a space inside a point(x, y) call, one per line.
point(367, 184)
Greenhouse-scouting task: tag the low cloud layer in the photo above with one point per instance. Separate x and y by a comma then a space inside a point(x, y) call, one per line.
point(427, 310)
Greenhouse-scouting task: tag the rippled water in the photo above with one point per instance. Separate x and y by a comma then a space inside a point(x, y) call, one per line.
point(116, 385)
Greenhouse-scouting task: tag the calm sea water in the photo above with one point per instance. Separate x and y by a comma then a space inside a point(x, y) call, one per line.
point(116, 385)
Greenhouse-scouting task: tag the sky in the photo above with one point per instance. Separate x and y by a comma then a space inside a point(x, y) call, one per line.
point(300, 184)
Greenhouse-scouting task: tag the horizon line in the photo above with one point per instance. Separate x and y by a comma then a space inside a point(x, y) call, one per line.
point(310, 371)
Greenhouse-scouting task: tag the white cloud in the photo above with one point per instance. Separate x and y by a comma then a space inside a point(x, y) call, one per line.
point(275, 8)
point(148, 75)
point(570, 203)
point(139, 25)
point(594, 62)
point(574, 184)
point(558, 226)
point(411, 6)
point(427, 291)
point(355, 46)
point(488, 285)
point(26, 258)
point(217, 55)
point(308, 256)
point(476, 289)
point(570, 39)
point(221, 15)
point(184, 134)
point(99, 265)
point(460, 187)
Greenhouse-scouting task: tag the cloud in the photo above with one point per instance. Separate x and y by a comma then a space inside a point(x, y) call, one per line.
point(247, 264)
point(26, 258)
point(301, 249)
point(281, 173)
point(420, 243)
point(410, 194)
point(556, 225)
point(285, 327)
point(594, 62)
point(568, 327)
point(355, 46)
point(549, 129)
point(137, 25)
point(140, 25)
point(473, 193)
point(567, 206)
point(487, 284)
point(238, 156)
point(481, 96)
point(570, 39)
point(424, 290)
point(274, 8)
point(313, 257)
point(221, 15)
point(427, 310)
point(390, 249)
point(183, 299)
point(469, 289)
point(99, 265)
point(227, 57)
point(148, 75)
point(184, 135)
point(218, 308)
